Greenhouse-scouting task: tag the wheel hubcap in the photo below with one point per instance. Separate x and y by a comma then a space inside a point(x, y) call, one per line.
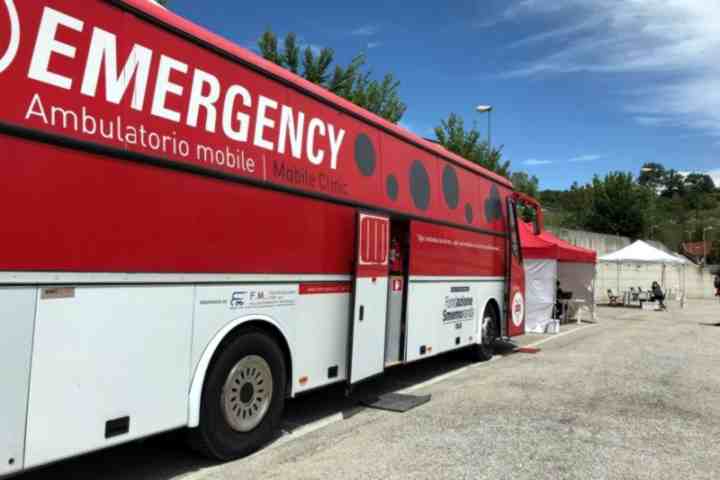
point(247, 393)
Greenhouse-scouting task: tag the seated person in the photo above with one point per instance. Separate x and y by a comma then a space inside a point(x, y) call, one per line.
point(658, 295)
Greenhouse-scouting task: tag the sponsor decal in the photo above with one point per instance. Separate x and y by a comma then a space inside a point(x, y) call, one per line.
point(254, 298)
point(320, 288)
point(518, 309)
point(455, 243)
point(214, 302)
point(54, 293)
point(459, 305)
point(397, 285)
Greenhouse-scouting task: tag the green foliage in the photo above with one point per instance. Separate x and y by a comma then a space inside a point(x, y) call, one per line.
point(663, 205)
point(164, 3)
point(380, 97)
point(652, 175)
point(673, 184)
point(523, 182)
point(452, 135)
point(529, 185)
point(618, 206)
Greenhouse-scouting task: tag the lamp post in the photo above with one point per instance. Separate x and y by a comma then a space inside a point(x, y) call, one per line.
point(705, 245)
point(487, 109)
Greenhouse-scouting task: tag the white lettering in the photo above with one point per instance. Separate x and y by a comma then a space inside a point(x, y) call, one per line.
point(315, 157)
point(335, 144)
point(36, 109)
point(89, 125)
point(46, 45)
point(262, 122)
point(197, 99)
point(241, 134)
point(103, 46)
point(66, 115)
point(163, 86)
point(289, 129)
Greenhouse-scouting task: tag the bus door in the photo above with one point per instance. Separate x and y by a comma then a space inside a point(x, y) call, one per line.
point(369, 313)
point(515, 273)
point(397, 288)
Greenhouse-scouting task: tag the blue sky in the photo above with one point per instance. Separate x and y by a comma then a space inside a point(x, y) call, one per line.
point(579, 87)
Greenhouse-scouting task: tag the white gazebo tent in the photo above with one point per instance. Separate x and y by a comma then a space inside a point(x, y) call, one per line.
point(645, 254)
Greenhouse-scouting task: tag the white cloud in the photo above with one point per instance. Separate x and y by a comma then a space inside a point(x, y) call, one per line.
point(366, 30)
point(534, 161)
point(673, 42)
point(585, 158)
point(374, 44)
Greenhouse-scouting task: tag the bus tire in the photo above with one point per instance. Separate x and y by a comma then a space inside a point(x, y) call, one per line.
point(243, 398)
point(483, 351)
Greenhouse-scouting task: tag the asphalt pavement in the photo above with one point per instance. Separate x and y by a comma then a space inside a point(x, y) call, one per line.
point(635, 396)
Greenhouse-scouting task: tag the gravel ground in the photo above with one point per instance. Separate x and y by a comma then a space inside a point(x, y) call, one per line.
point(636, 396)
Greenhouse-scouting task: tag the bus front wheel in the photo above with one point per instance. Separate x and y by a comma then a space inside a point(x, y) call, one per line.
point(243, 398)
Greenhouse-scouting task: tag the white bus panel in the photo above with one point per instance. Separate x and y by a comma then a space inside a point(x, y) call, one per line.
point(107, 354)
point(17, 314)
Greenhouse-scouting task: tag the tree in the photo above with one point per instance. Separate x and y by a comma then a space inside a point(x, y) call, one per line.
point(523, 182)
point(618, 205)
point(652, 175)
point(699, 194)
point(380, 97)
point(699, 183)
point(529, 185)
point(577, 203)
point(452, 135)
point(673, 184)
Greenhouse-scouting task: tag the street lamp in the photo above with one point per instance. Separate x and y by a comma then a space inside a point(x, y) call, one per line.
point(705, 245)
point(487, 109)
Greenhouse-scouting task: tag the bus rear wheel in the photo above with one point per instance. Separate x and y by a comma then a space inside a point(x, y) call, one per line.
point(243, 398)
point(489, 334)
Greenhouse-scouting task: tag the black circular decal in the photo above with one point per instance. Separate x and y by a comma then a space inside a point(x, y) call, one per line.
point(493, 205)
point(451, 187)
point(365, 155)
point(469, 213)
point(392, 187)
point(419, 185)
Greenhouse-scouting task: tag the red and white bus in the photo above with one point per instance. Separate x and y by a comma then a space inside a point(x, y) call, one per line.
point(191, 235)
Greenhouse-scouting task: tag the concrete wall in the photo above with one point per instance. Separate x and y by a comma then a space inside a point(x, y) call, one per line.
point(699, 281)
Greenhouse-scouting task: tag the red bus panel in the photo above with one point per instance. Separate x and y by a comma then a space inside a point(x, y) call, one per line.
point(98, 74)
point(436, 250)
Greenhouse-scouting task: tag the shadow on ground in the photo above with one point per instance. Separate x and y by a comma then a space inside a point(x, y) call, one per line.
point(166, 456)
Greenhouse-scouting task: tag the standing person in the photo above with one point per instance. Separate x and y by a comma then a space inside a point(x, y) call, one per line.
point(659, 295)
point(559, 295)
point(717, 284)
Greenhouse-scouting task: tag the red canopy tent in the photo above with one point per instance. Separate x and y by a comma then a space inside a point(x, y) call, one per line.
point(547, 245)
point(548, 259)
